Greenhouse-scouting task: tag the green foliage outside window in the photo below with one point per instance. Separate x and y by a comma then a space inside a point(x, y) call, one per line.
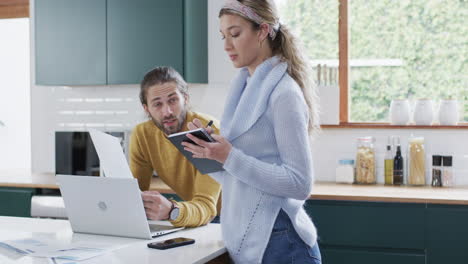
point(428, 37)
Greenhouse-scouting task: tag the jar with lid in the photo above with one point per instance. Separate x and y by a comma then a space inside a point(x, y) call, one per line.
point(447, 172)
point(416, 161)
point(345, 171)
point(365, 161)
point(436, 171)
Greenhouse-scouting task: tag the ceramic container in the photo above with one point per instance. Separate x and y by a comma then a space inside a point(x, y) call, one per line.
point(399, 112)
point(448, 112)
point(423, 112)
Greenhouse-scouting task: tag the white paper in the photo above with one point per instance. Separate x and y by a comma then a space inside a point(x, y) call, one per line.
point(64, 253)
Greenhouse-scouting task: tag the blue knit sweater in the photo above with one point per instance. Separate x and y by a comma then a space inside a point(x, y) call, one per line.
point(270, 165)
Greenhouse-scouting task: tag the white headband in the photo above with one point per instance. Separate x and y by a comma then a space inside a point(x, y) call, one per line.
point(249, 13)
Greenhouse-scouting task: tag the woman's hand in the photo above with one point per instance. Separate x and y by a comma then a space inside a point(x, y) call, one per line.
point(218, 150)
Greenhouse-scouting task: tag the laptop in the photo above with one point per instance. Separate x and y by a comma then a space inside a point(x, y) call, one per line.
point(110, 205)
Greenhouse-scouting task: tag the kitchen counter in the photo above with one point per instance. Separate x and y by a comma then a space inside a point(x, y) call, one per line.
point(321, 190)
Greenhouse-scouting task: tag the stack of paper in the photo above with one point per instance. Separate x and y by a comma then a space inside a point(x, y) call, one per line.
point(55, 252)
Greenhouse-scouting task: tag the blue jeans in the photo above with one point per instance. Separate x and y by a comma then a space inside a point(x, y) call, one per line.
point(285, 245)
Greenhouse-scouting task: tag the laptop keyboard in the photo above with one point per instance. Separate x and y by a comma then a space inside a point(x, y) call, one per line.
point(156, 228)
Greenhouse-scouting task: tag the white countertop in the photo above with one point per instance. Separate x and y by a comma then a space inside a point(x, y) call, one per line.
point(208, 243)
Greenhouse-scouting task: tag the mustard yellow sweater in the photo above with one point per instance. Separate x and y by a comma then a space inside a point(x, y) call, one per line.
point(151, 150)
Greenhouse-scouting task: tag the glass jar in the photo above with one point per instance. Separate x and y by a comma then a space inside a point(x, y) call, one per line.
point(416, 161)
point(447, 172)
point(365, 161)
point(436, 171)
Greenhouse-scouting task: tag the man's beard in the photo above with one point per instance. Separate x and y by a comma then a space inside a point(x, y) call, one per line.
point(173, 129)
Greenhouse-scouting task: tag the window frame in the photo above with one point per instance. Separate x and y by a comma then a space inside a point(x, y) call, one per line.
point(343, 82)
point(14, 9)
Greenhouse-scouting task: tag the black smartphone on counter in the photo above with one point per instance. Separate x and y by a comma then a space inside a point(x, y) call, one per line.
point(171, 243)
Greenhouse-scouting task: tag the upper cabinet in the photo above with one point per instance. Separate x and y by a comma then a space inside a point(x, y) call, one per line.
point(70, 39)
point(196, 41)
point(142, 34)
point(99, 42)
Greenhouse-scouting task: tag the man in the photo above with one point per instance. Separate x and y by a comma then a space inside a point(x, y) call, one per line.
point(164, 96)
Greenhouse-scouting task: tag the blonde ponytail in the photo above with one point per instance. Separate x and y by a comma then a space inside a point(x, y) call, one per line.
point(287, 46)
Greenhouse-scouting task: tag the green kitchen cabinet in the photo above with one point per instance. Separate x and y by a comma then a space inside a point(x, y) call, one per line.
point(369, 232)
point(447, 234)
point(369, 224)
point(371, 256)
point(143, 34)
point(70, 42)
point(99, 42)
point(196, 41)
point(16, 201)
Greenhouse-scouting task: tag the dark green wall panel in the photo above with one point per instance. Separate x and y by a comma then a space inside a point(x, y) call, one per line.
point(15, 201)
point(196, 41)
point(143, 34)
point(70, 39)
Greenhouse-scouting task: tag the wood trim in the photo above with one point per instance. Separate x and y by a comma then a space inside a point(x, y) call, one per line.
point(14, 10)
point(13, 2)
point(389, 126)
point(343, 55)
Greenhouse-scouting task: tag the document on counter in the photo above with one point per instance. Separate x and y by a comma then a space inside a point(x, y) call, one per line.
point(58, 253)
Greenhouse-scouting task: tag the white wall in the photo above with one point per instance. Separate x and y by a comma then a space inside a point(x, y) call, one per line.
point(15, 137)
point(331, 145)
point(335, 144)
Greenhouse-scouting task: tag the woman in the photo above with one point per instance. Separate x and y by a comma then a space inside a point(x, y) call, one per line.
point(264, 143)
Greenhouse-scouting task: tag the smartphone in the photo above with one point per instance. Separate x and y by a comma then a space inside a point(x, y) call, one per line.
point(171, 243)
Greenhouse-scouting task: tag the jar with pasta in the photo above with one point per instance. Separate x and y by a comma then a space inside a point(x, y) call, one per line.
point(365, 161)
point(416, 161)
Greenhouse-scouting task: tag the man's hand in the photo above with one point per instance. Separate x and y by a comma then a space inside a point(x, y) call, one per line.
point(196, 123)
point(157, 207)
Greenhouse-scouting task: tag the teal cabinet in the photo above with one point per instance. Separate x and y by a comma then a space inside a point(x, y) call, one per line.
point(447, 234)
point(70, 39)
point(16, 201)
point(363, 256)
point(143, 34)
point(378, 232)
point(369, 224)
point(196, 41)
point(98, 42)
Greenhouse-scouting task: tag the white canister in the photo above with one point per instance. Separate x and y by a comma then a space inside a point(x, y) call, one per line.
point(344, 173)
point(448, 112)
point(399, 112)
point(423, 112)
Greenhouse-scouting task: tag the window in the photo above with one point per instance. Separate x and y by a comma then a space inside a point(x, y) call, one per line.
point(397, 49)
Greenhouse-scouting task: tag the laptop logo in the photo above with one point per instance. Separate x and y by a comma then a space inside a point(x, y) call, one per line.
point(102, 206)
